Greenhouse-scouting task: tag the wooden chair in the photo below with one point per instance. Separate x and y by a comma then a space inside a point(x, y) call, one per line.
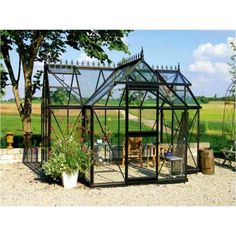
point(134, 149)
point(162, 150)
point(229, 153)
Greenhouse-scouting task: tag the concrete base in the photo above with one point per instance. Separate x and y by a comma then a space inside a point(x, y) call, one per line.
point(16, 155)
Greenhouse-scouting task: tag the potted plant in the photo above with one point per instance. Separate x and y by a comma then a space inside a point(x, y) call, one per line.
point(67, 158)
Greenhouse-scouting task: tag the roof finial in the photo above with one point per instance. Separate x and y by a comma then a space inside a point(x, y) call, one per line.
point(178, 66)
point(142, 54)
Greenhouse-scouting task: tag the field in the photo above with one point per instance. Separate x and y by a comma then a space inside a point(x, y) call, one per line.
point(211, 116)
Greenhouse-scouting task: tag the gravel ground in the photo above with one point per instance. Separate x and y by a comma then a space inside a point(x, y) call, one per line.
point(20, 186)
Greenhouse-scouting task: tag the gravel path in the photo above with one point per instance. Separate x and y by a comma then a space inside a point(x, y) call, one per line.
point(19, 185)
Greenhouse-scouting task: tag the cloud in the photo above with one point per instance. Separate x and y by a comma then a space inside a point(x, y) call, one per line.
point(202, 66)
point(198, 82)
point(209, 67)
point(83, 57)
point(211, 59)
point(209, 51)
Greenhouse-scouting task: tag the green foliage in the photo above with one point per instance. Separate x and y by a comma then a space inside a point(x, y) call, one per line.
point(135, 97)
point(3, 78)
point(216, 141)
point(59, 96)
point(3, 82)
point(67, 155)
point(53, 167)
point(202, 128)
point(233, 62)
point(203, 99)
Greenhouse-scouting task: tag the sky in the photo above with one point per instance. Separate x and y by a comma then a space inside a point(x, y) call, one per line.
point(203, 56)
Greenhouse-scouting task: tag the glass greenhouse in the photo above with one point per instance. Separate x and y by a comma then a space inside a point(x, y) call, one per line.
point(141, 123)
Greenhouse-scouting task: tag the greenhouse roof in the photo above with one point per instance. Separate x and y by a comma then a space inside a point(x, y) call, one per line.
point(173, 87)
point(138, 72)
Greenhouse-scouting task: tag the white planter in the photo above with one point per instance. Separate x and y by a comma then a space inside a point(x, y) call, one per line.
point(69, 181)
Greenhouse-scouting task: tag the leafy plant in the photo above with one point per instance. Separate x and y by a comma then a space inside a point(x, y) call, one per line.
point(67, 155)
point(54, 166)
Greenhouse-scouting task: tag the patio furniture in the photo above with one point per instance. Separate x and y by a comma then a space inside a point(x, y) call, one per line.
point(229, 153)
point(149, 152)
point(134, 149)
point(162, 150)
point(173, 167)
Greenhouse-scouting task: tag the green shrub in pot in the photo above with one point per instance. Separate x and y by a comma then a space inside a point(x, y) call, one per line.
point(68, 155)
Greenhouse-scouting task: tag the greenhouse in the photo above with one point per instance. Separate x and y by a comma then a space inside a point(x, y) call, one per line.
point(141, 123)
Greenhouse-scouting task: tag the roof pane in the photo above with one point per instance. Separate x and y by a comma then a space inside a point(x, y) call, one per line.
point(117, 76)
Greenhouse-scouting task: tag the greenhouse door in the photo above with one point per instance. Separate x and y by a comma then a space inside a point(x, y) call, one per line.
point(141, 133)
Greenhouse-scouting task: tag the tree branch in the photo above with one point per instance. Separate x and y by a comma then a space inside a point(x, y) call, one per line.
point(19, 69)
point(14, 82)
point(37, 39)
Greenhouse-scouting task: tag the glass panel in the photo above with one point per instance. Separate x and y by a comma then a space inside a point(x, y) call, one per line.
point(168, 76)
point(143, 74)
point(109, 130)
point(166, 126)
point(62, 96)
point(141, 157)
point(117, 75)
point(180, 136)
point(142, 115)
point(172, 149)
point(185, 95)
point(115, 97)
point(164, 163)
point(64, 122)
point(192, 152)
point(64, 89)
point(169, 96)
point(90, 79)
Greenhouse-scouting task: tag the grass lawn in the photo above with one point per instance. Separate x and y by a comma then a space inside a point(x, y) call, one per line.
point(13, 123)
point(213, 111)
point(211, 115)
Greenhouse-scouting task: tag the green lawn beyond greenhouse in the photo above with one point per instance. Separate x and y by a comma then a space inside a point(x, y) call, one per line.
point(211, 116)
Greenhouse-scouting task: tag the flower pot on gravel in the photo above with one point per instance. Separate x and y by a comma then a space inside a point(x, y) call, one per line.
point(69, 180)
point(67, 156)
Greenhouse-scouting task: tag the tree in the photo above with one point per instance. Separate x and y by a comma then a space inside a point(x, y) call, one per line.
point(47, 45)
point(3, 79)
point(233, 62)
point(59, 96)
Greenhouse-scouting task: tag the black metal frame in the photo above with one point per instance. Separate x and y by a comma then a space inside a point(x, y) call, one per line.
point(84, 105)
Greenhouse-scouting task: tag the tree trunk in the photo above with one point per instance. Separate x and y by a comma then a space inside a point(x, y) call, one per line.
point(27, 110)
point(27, 56)
point(27, 130)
